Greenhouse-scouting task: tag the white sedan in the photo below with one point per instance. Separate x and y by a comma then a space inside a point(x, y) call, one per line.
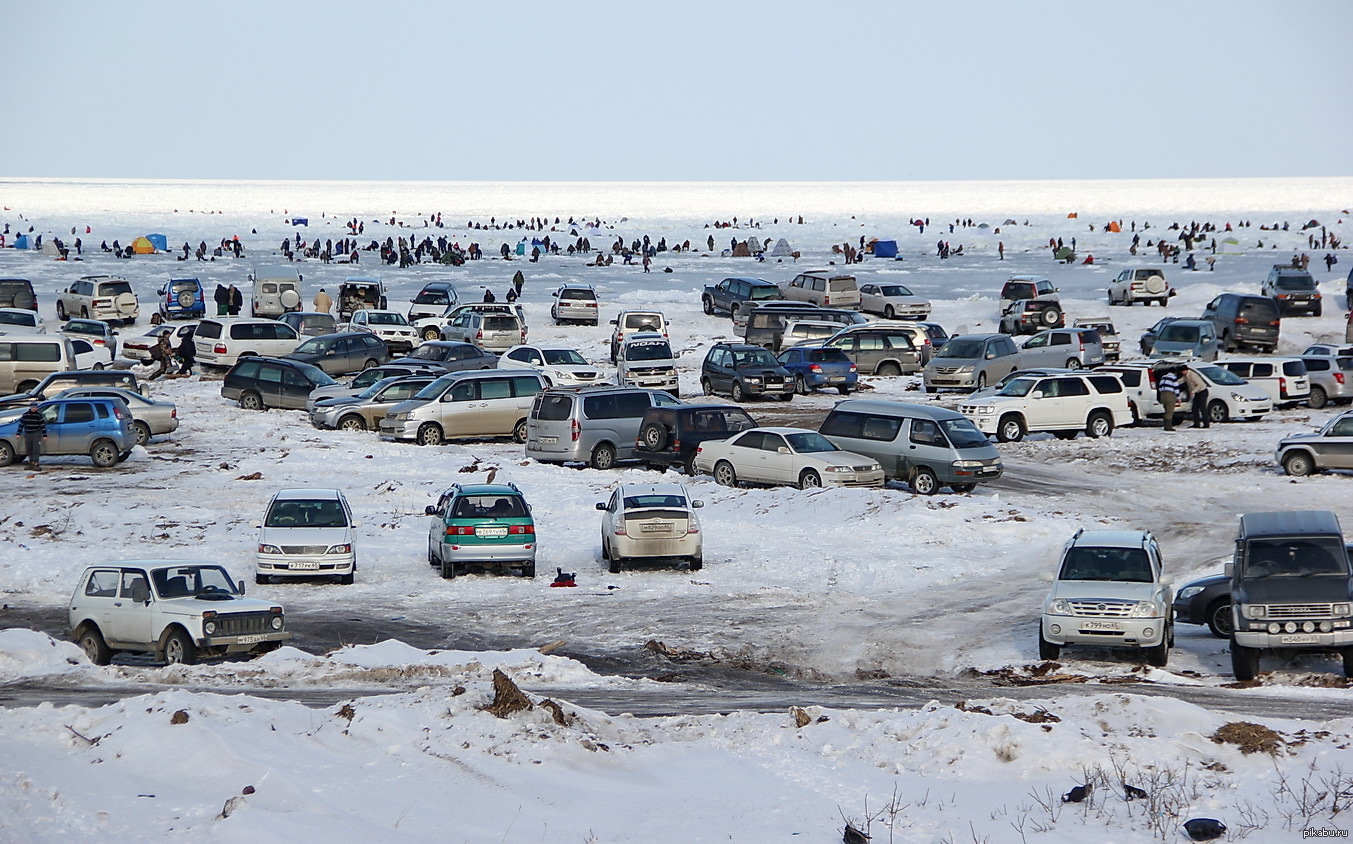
point(795, 456)
point(560, 365)
point(21, 321)
point(893, 301)
point(649, 521)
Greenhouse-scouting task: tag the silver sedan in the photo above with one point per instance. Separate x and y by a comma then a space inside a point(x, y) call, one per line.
point(150, 417)
point(893, 301)
point(795, 456)
point(364, 411)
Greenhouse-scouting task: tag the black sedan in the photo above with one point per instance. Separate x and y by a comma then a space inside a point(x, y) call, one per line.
point(1206, 601)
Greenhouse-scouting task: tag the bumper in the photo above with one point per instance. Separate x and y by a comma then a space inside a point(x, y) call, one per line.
point(681, 546)
point(1315, 641)
point(785, 389)
point(830, 380)
point(1249, 409)
point(513, 554)
point(952, 475)
point(399, 431)
point(306, 565)
point(1104, 632)
point(953, 381)
point(853, 479)
point(240, 644)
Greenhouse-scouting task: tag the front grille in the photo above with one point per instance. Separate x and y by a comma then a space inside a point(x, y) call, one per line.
point(242, 624)
point(945, 370)
point(304, 549)
point(1300, 611)
point(1102, 609)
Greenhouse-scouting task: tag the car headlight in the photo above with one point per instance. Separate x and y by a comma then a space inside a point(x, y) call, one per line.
point(277, 622)
point(1189, 591)
point(1145, 609)
point(1238, 397)
point(339, 549)
point(968, 368)
point(400, 417)
point(1254, 610)
point(967, 464)
point(268, 549)
point(1341, 610)
point(839, 469)
point(1061, 606)
point(753, 380)
point(209, 628)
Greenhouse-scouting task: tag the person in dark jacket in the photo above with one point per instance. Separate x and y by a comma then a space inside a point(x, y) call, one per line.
point(187, 354)
point(222, 298)
point(236, 301)
point(33, 426)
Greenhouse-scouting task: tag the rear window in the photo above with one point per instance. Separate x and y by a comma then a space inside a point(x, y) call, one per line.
point(838, 285)
point(489, 507)
point(553, 407)
point(575, 293)
point(208, 330)
point(1294, 367)
point(827, 356)
point(113, 288)
point(764, 293)
point(1265, 310)
point(645, 321)
point(500, 323)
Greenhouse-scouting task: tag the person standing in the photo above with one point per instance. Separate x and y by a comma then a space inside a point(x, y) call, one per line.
point(187, 354)
point(236, 301)
point(324, 303)
point(33, 426)
point(162, 353)
point(1197, 388)
point(517, 281)
point(222, 299)
point(1000, 247)
point(1167, 391)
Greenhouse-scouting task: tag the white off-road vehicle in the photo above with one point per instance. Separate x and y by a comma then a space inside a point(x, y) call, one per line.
point(1064, 403)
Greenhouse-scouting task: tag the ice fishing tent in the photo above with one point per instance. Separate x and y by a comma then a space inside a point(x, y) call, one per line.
point(742, 250)
point(1009, 222)
point(885, 249)
point(49, 248)
point(300, 221)
point(21, 242)
point(1229, 246)
point(159, 241)
point(142, 246)
point(782, 249)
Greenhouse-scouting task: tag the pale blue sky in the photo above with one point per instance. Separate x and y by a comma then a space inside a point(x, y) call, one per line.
point(676, 91)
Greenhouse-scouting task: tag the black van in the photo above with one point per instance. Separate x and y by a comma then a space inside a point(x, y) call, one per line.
point(1244, 321)
point(766, 323)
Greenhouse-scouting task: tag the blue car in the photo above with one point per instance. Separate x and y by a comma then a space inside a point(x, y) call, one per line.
point(819, 366)
point(183, 298)
point(98, 427)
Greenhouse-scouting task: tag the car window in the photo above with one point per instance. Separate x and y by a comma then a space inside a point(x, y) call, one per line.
point(554, 407)
point(525, 386)
point(1294, 368)
point(631, 405)
point(270, 373)
point(460, 391)
point(131, 580)
point(1106, 384)
point(1342, 428)
point(1037, 341)
point(1072, 387)
point(926, 432)
point(78, 412)
point(751, 439)
point(103, 583)
point(489, 507)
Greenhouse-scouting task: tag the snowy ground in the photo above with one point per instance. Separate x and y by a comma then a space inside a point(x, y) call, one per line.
point(834, 585)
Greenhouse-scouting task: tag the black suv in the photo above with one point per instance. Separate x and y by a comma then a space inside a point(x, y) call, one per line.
point(728, 295)
point(669, 436)
point(259, 383)
point(741, 370)
point(1293, 289)
point(18, 293)
point(1244, 321)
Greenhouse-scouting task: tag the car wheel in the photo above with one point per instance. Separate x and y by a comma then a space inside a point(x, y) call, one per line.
point(736, 392)
point(1010, 429)
point(98, 367)
point(61, 311)
point(432, 334)
point(262, 579)
point(103, 453)
point(1219, 618)
point(1216, 411)
point(84, 313)
point(801, 385)
point(688, 465)
point(1100, 424)
point(122, 456)
point(1244, 661)
point(1158, 655)
point(963, 489)
point(179, 649)
point(982, 381)
point(888, 370)
point(429, 433)
point(347, 579)
point(251, 401)
point(845, 391)
point(1111, 301)
point(924, 482)
point(698, 562)
point(528, 570)
point(1318, 399)
point(352, 422)
point(706, 387)
point(142, 431)
point(603, 456)
point(1348, 662)
point(519, 431)
point(448, 570)
point(724, 475)
point(6, 453)
point(888, 312)
point(810, 479)
point(615, 564)
point(1046, 649)
point(91, 642)
point(370, 364)
point(1227, 343)
point(654, 436)
point(1298, 464)
point(1051, 316)
point(708, 305)
point(1073, 363)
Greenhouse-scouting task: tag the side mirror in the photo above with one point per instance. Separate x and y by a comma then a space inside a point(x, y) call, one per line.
point(697, 504)
point(612, 322)
point(1047, 577)
point(429, 510)
point(239, 587)
point(601, 505)
point(256, 523)
point(1166, 580)
point(784, 449)
point(1038, 394)
point(1229, 570)
point(357, 523)
point(141, 593)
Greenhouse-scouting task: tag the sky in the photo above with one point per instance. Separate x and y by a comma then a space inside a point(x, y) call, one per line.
point(686, 91)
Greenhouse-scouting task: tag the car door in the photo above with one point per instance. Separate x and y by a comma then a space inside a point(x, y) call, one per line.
point(779, 464)
point(269, 384)
point(129, 619)
point(720, 371)
point(460, 408)
point(1035, 352)
point(78, 428)
point(745, 454)
point(1334, 450)
point(281, 339)
point(926, 446)
point(295, 389)
point(868, 298)
point(1070, 407)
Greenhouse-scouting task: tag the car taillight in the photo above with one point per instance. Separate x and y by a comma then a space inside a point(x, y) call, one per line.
point(117, 412)
point(219, 348)
point(479, 335)
point(1275, 324)
point(1282, 385)
point(576, 429)
point(852, 367)
point(459, 530)
point(174, 414)
point(691, 528)
point(1339, 377)
point(814, 368)
point(1240, 320)
point(519, 529)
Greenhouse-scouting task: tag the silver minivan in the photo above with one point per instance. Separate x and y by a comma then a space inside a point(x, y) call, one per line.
point(26, 360)
point(277, 290)
point(476, 403)
point(646, 360)
point(596, 425)
point(928, 447)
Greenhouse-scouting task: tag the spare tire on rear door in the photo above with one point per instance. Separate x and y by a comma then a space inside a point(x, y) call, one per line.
point(1155, 285)
point(290, 299)
point(125, 301)
point(186, 299)
point(23, 299)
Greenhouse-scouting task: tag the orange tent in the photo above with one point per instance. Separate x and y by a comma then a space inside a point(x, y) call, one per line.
point(1073, 215)
point(142, 246)
point(1114, 227)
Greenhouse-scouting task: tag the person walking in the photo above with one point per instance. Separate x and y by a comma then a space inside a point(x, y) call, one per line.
point(236, 301)
point(517, 281)
point(1197, 388)
point(187, 354)
point(324, 303)
point(1000, 247)
point(1167, 391)
point(33, 426)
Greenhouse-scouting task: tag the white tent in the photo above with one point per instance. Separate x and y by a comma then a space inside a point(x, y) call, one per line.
point(49, 248)
point(1229, 246)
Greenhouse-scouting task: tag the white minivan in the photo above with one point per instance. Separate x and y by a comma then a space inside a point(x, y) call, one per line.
point(222, 342)
point(27, 359)
point(277, 290)
point(646, 360)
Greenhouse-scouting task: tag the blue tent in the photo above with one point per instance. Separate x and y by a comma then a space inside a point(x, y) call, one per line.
point(300, 221)
point(21, 241)
point(159, 241)
point(885, 249)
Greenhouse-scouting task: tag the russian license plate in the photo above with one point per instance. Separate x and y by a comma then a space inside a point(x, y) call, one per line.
point(549, 440)
point(310, 565)
point(491, 532)
point(655, 528)
point(1298, 640)
point(836, 378)
point(249, 640)
point(1103, 625)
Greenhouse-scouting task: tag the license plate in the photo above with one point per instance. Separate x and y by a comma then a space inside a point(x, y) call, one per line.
point(491, 532)
point(836, 378)
point(304, 566)
point(549, 440)
point(1298, 640)
point(1103, 625)
point(249, 640)
point(656, 528)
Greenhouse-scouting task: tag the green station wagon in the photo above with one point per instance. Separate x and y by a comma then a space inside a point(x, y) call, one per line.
point(482, 525)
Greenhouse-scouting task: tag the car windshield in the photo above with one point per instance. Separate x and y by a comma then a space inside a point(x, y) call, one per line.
point(371, 391)
point(1018, 387)
point(960, 347)
point(639, 502)
point(1217, 375)
point(431, 352)
point(963, 434)
point(436, 388)
point(1127, 565)
point(1176, 333)
point(191, 581)
point(306, 512)
point(755, 357)
point(1295, 557)
point(386, 318)
point(895, 290)
point(1296, 282)
point(489, 507)
point(810, 442)
point(432, 297)
point(563, 357)
point(11, 318)
point(317, 346)
point(316, 376)
point(654, 350)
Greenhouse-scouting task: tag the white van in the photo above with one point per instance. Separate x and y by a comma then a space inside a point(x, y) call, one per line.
point(646, 360)
point(824, 289)
point(222, 342)
point(26, 360)
point(277, 290)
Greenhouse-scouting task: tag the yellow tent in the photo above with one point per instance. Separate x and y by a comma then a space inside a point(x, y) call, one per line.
point(141, 246)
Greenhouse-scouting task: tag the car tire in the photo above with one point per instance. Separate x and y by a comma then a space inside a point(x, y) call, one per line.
point(1318, 398)
point(61, 311)
point(528, 570)
point(6, 453)
point(122, 456)
point(262, 579)
point(706, 387)
point(179, 648)
point(654, 436)
point(1051, 316)
point(1158, 656)
point(1100, 424)
point(91, 641)
point(84, 313)
point(888, 312)
point(963, 489)
point(1073, 363)
point(888, 370)
point(697, 562)
point(924, 482)
point(370, 364)
point(1010, 429)
point(1065, 435)
point(724, 474)
point(429, 433)
point(519, 431)
point(1244, 661)
point(615, 564)
point(448, 570)
point(352, 422)
point(845, 391)
point(1348, 662)
point(603, 457)
point(736, 393)
point(1298, 464)
point(1219, 618)
point(688, 465)
point(708, 304)
point(801, 385)
point(1046, 649)
point(810, 479)
point(982, 381)
point(104, 453)
point(142, 431)
point(430, 334)
point(1216, 411)
point(347, 579)
point(251, 401)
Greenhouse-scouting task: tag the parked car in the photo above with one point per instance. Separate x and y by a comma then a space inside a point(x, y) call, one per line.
point(359, 293)
point(809, 332)
point(646, 360)
point(575, 303)
point(1034, 372)
point(482, 526)
point(366, 378)
point(1148, 339)
point(339, 354)
point(100, 428)
point(970, 362)
point(923, 446)
point(1206, 600)
point(96, 331)
point(893, 301)
point(1331, 380)
point(450, 356)
point(433, 300)
point(635, 322)
point(364, 411)
point(1284, 379)
point(766, 323)
point(106, 297)
point(927, 337)
point(598, 426)
point(1026, 316)
point(650, 522)
point(734, 294)
point(17, 293)
point(310, 323)
point(669, 436)
point(1327, 350)
point(1140, 284)
point(137, 347)
point(389, 326)
point(26, 360)
point(560, 365)
point(150, 417)
point(877, 349)
point(87, 355)
point(1109, 590)
point(1229, 396)
point(465, 404)
point(813, 367)
point(1072, 348)
point(1245, 321)
point(259, 383)
point(307, 533)
point(1293, 289)
point(48, 387)
point(431, 328)
point(1029, 287)
point(21, 321)
point(1331, 447)
point(824, 288)
point(1188, 338)
point(182, 298)
point(494, 332)
point(795, 456)
point(742, 372)
point(1064, 405)
point(1108, 335)
point(180, 611)
point(277, 290)
point(222, 342)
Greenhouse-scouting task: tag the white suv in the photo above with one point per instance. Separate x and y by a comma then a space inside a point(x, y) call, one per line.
point(1284, 379)
point(1109, 592)
point(307, 533)
point(105, 297)
point(575, 303)
point(1062, 403)
point(1144, 284)
point(390, 326)
point(222, 342)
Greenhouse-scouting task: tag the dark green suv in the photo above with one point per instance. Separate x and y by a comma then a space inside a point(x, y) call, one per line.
point(484, 526)
point(743, 371)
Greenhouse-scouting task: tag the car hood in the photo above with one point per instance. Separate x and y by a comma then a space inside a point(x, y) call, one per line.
point(338, 401)
point(1109, 590)
point(234, 604)
point(304, 535)
point(1248, 391)
point(840, 458)
point(947, 363)
point(572, 369)
point(324, 393)
point(406, 406)
point(764, 371)
point(1292, 590)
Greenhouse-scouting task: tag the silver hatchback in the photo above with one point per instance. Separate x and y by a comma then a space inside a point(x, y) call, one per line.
point(595, 425)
